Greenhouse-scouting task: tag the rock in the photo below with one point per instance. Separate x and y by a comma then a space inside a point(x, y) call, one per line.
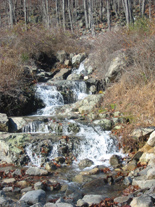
point(22, 183)
point(106, 124)
point(35, 196)
point(82, 203)
point(85, 163)
point(16, 124)
point(4, 202)
point(58, 205)
point(78, 179)
point(130, 166)
point(38, 185)
point(61, 56)
point(4, 122)
point(2, 194)
point(137, 133)
point(36, 171)
point(150, 174)
point(37, 205)
point(127, 180)
point(73, 127)
point(93, 199)
point(74, 76)
point(115, 160)
point(151, 140)
point(142, 201)
point(145, 148)
point(67, 63)
point(93, 89)
point(26, 189)
point(50, 166)
point(146, 157)
point(90, 172)
point(142, 183)
point(114, 66)
point(7, 189)
point(123, 200)
point(77, 59)
point(62, 74)
point(60, 160)
point(8, 180)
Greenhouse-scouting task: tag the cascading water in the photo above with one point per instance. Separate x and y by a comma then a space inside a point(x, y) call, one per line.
point(51, 98)
point(95, 143)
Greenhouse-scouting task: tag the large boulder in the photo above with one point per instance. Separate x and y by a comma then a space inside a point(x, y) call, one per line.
point(114, 65)
point(16, 124)
point(62, 74)
point(61, 56)
point(3, 122)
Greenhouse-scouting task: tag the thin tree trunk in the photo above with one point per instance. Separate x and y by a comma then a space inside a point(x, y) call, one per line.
point(150, 4)
point(56, 8)
point(70, 17)
point(63, 15)
point(11, 13)
point(85, 13)
point(108, 15)
point(143, 7)
point(25, 13)
point(47, 14)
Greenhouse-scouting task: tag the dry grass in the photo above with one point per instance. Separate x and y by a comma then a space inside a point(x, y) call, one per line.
point(134, 93)
point(19, 46)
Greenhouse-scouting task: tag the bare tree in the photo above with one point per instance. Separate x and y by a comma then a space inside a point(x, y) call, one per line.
point(85, 13)
point(63, 14)
point(70, 16)
point(143, 7)
point(11, 12)
point(108, 14)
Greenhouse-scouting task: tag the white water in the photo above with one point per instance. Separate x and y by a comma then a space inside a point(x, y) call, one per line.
point(35, 159)
point(51, 98)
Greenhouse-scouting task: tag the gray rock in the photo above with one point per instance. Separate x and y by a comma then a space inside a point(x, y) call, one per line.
point(61, 56)
point(115, 160)
point(35, 196)
point(73, 76)
point(62, 74)
point(93, 199)
point(36, 171)
point(142, 183)
point(123, 200)
point(2, 194)
point(127, 180)
point(3, 122)
point(106, 124)
point(151, 140)
point(80, 202)
point(4, 202)
point(85, 163)
point(142, 201)
point(38, 185)
point(58, 205)
point(37, 205)
point(150, 174)
point(137, 133)
point(16, 124)
point(77, 59)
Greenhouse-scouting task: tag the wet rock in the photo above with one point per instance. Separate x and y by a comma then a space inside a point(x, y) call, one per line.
point(7, 189)
point(36, 196)
point(4, 122)
point(85, 163)
point(130, 166)
point(26, 189)
point(73, 127)
point(115, 160)
point(142, 201)
point(60, 160)
point(93, 199)
point(2, 194)
point(36, 171)
point(93, 171)
point(21, 204)
point(82, 203)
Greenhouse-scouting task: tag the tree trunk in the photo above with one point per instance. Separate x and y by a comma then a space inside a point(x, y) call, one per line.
point(11, 13)
point(143, 7)
point(70, 16)
point(56, 8)
point(85, 13)
point(150, 4)
point(63, 14)
point(108, 15)
point(25, 13)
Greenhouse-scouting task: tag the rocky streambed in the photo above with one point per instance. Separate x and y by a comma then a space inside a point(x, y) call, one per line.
point(65, 155)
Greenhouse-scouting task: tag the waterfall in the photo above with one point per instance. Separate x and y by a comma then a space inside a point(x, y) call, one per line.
point(50, 96)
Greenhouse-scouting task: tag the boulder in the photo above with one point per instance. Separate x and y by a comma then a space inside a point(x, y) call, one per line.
point(115, 160)
point(16, 124)
point(142, 201)
point(85, 163)
point(77, 59)
point(73, 76)
point(141, 132)
point(35, 196)
point(151, 140)
point(4, 122)
point(123, 200)
point(114, 65)
point(106, 124)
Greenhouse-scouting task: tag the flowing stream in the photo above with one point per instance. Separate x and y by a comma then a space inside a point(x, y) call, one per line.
point(95, 144)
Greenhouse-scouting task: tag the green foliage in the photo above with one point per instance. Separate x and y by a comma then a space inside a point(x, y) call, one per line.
point(113, 106)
